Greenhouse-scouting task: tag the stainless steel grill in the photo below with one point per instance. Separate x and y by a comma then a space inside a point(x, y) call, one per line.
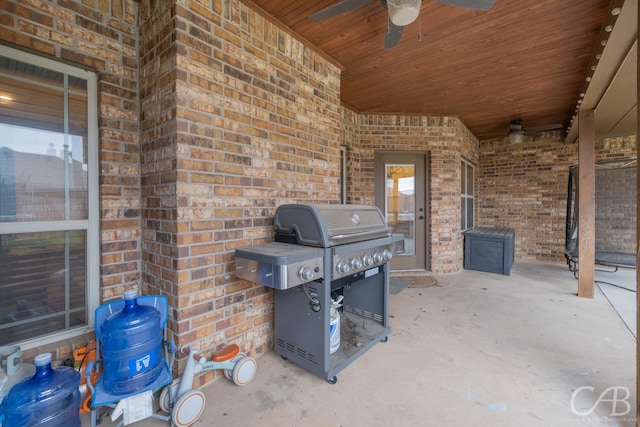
point(329, 225)
point(323, 252)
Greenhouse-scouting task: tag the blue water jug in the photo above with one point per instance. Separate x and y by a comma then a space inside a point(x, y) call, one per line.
point(131, 347)
point(50, 398)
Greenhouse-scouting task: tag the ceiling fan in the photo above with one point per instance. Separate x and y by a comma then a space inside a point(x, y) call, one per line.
point(517, 132)
point(400, 13)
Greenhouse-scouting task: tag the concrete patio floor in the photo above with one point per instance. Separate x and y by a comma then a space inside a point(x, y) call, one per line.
point(476, 349)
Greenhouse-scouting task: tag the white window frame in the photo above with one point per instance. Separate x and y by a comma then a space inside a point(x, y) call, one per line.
point(465, 196)
point(92, 223)
point(343, 174)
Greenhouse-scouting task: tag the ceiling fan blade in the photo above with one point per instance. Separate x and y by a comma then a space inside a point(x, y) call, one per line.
point(545, 127)
point(533, 134)
point(392, 34)
point(337, 9)
point(469, 4)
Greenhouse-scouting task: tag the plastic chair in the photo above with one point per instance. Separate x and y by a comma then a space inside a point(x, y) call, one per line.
point(99, 396)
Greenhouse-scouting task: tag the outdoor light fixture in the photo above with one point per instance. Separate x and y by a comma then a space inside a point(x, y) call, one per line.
point(516, 136)
point(403, 12)
point(605, 33)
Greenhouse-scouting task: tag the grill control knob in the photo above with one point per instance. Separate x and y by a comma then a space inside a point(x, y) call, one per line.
point(342, 267)
point(367, 260)
point(356, 263)
point(305, 273)
point(377, 257)
point(387, 254)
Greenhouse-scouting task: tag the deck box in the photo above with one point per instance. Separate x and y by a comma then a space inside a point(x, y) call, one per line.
point(489, 249)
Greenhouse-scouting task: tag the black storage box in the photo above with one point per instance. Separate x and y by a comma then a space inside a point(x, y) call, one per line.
point(489, 249)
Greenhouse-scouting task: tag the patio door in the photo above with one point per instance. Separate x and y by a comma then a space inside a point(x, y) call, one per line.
point(401, 195)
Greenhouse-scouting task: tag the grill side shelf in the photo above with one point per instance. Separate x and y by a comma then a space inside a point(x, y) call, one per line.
point(279, 265)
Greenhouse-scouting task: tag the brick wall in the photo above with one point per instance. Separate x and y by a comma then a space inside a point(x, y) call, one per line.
point(446, 139)
point(616, 207)
point(235, 117)
point(222, 117)
point(350, 138)
point(525, 186)
point(522, 186)
point(101, 35)
point(238, 118)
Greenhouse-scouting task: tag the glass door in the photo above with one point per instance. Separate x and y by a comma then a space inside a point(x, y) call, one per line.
point(400, 202)
point(401, 194)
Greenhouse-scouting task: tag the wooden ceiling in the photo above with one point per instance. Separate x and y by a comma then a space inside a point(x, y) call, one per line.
point(520, 59)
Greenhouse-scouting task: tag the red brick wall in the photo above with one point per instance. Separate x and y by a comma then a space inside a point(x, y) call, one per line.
point(101, 35)
point(524, 186)
point(222, 117)
point(446, 139)
point(238, 118)
point(349, 130)
point(616, 207)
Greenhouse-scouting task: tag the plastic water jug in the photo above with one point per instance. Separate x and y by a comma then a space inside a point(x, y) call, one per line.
point(50, 398)
point(131, 347)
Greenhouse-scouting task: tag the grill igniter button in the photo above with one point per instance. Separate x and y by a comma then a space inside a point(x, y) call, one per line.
point(356, 263)
point(342, 267)
point(305, 273)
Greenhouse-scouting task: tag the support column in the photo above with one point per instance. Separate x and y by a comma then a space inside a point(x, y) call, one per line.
point(637, 237)
point(586, 202)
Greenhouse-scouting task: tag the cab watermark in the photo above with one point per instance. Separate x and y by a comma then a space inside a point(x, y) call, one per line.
point(613, 400)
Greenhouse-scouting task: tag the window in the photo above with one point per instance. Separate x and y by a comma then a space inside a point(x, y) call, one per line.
point(400, 202)
point(343, 174)
point(48, 199)
point(467, 180)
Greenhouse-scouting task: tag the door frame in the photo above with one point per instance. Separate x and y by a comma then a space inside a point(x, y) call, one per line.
point(382, 157)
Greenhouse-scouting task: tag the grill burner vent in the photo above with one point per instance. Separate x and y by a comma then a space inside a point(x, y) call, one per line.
point(291, 349)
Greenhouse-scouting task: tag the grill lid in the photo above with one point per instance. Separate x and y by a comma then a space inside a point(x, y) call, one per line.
point(328, 225)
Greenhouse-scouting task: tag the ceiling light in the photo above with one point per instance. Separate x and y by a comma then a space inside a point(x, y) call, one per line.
point(516, 136)
point(608, 28)
point(403, 12)
point(615, 11)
